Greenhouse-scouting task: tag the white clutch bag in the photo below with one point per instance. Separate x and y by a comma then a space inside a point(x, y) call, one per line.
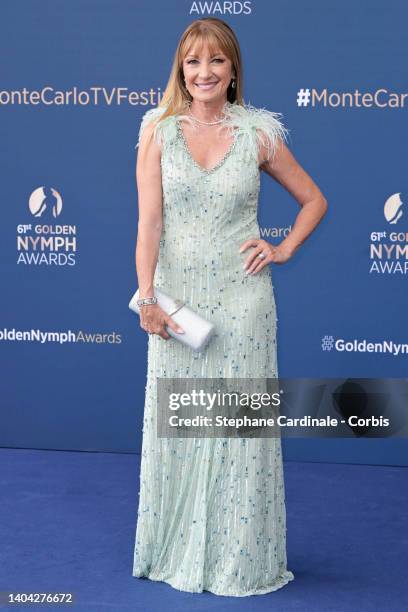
point(197, 330)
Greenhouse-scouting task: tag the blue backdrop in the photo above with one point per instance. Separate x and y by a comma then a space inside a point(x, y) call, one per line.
point(76, 78)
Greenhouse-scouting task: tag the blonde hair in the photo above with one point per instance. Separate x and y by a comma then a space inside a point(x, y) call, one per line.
point(219, 37)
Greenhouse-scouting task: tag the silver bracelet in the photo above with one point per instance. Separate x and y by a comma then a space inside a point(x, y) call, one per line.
point(145, 301)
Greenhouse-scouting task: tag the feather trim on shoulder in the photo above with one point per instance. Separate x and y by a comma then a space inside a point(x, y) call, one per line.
point(258, 126)
point(162, 126)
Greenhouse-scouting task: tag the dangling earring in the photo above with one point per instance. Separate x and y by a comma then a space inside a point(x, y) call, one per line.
point(233, 84)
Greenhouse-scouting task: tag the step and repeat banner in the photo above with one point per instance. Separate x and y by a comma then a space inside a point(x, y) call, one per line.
point(75, 80)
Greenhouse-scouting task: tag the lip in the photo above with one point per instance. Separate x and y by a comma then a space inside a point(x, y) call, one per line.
point(209, 85)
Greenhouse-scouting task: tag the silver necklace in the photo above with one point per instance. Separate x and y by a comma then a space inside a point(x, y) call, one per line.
point(207, 122)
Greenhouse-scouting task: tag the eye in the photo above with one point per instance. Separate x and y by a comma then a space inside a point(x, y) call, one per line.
point(217, 59)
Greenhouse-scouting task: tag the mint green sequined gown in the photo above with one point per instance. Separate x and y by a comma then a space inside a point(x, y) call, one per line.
point(211, 513)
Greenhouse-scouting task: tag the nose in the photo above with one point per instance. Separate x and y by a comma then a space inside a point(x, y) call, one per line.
point(205, 70)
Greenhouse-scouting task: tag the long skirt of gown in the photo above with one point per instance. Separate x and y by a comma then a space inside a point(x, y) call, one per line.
point(211, 513)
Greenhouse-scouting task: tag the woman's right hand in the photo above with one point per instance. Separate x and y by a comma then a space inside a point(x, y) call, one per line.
point(154, 320)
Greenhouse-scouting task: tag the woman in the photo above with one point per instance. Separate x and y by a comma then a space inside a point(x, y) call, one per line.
point(211, 511)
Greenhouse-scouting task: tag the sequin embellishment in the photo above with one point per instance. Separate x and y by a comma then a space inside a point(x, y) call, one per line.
point(211, 513)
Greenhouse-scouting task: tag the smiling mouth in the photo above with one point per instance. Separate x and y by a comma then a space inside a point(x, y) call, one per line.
point(206, 85)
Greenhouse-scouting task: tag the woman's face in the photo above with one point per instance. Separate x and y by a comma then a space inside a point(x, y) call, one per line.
point(207, 75)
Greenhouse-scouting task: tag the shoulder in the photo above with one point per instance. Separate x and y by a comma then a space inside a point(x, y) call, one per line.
point(152, 121)
point(265, 128)
point(151, 115)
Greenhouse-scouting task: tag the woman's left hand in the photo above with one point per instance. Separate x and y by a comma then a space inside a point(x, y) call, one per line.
point(273, 254)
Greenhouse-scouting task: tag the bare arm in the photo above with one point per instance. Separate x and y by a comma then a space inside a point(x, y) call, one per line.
point(150, 222)
point(284, 168)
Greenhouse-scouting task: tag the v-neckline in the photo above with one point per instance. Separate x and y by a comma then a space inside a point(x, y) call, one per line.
point(194, 161)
